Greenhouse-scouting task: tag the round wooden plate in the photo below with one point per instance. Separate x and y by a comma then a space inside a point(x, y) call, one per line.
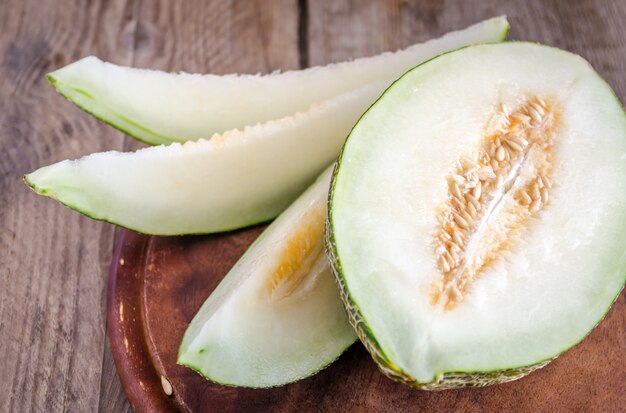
point(157, 284)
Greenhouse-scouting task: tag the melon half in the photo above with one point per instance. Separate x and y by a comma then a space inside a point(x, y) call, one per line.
point(477, 215)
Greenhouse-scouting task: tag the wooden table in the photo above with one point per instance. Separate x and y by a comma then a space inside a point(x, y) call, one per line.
point(54, 355)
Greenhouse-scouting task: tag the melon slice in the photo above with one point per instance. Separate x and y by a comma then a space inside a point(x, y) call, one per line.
point(277, 316)
point(158, 107)
point(478, 213)
point(233, 180)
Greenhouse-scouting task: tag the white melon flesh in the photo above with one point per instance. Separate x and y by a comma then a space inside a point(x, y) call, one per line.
point(158, 107)
point(233, 180)
point(449, 292)
point(277, 316)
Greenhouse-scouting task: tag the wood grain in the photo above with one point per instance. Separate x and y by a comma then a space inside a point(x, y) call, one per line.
point(53, 355)
point(54, 262)
point(217, 36)
point(345, 29)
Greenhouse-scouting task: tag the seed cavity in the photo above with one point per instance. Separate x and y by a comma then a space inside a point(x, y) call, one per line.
point(492, 193)
point(302, 253)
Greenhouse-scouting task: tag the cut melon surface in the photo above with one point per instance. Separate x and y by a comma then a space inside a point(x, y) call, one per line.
point(158, 107)
point(477, 214)
point(277, 316)
point(233, 180)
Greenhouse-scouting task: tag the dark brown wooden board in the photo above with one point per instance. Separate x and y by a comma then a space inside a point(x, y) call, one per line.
point(158, 283)
point(54, 262)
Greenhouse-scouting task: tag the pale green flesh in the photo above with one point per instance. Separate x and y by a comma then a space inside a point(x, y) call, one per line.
point(158, 107)
point(242, 337)
point(234, 180)
point(560, 276)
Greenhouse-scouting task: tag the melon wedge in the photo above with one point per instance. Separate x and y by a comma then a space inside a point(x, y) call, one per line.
point(477, 215)
point(277, 316)
point(158, 107)
point(231, 181)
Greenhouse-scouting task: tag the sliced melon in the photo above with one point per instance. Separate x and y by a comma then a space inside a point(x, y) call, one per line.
point(231, 181)
point(277, 316)
point(158, 107)
point(478, 213)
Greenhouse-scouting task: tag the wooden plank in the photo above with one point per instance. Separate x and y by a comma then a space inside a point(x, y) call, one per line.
point(54, 262)
point(207, 37)
point(112, 396)
point(345, 29)
point(216, 37)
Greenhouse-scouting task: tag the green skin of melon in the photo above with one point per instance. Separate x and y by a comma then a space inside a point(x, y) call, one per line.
point(92, 106)
point(448, 380)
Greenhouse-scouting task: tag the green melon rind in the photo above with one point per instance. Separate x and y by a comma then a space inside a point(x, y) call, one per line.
point(88, 104)
point(91, 215)
point(198, 370)
point(304, 376)
point(447, 380)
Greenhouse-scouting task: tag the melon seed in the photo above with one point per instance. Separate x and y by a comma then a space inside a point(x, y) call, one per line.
point(466, 232)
